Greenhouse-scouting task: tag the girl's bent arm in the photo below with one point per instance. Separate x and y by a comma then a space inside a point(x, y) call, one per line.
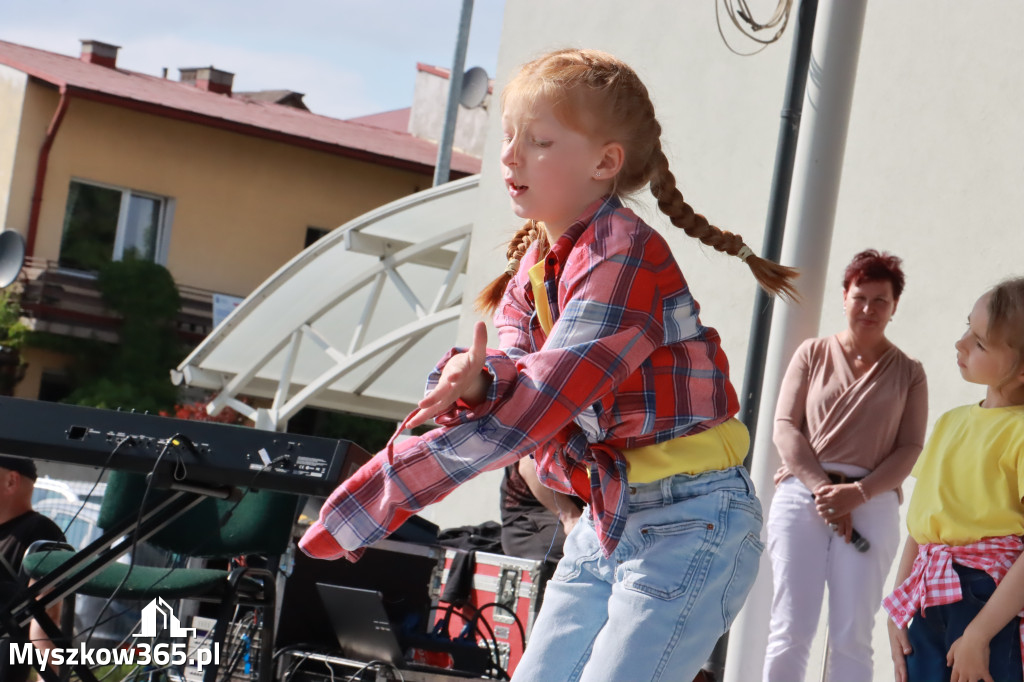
point(968, 655)
point(529, 403)
point(899, 643)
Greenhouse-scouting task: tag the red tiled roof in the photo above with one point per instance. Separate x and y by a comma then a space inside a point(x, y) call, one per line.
point(396, 119)
point(163, 97)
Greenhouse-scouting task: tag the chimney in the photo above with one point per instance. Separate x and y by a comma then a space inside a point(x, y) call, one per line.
point(104, 54)
point(209, 79)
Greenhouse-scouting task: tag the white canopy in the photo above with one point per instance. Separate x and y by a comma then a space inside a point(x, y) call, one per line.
point(352, 323)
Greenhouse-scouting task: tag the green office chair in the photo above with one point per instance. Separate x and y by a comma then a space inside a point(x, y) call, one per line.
point(259, 524)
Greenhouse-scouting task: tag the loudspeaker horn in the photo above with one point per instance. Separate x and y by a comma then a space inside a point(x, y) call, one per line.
point(475, 84)
point(12, 256)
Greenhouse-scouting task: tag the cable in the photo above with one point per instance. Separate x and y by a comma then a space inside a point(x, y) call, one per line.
point(91, 631)
point(374, 664)
point(493, 650)
point(471, 624)
point(519, 623)
point(138, 524)
point(295, 665)
point(443, 622)
point(743, 19)
point(74, 517)
point(103, 470)
point(225, 517)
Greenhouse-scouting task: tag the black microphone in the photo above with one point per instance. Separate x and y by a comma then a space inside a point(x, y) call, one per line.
point(859, 542)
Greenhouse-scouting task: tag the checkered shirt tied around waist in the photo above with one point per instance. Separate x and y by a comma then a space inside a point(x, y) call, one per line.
point(627, 363)
point(934, 582)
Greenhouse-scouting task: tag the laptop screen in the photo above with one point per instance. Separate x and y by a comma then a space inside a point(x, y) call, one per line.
point(361, 625)
point(364, 633)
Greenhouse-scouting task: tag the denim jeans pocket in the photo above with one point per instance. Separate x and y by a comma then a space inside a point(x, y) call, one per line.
point(976, 586)
point(673, 558)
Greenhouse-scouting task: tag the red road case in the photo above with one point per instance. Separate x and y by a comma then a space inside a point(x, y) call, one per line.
point(505, 590)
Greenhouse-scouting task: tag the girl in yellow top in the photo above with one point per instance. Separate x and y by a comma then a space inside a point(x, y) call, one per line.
point(961, 578)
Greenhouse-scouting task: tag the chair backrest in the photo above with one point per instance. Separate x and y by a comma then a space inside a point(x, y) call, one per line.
point(260, 523)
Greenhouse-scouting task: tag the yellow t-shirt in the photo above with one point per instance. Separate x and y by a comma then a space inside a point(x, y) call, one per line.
point(970, 477)
point(720, 447)
point(540, 297)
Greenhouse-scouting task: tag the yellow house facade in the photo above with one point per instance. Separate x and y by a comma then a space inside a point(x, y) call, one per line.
point(220, 188)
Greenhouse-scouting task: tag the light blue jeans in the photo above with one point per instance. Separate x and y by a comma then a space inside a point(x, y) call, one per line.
point(654, 610)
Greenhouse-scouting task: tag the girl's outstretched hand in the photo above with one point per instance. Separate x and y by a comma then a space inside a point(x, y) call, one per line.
point(462, 377)
point(899, 647)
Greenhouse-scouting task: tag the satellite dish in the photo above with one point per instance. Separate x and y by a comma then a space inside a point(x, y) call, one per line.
point(12, 256)
point(475, 84)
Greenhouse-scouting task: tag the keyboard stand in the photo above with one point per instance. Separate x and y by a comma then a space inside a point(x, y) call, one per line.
point(102, 552)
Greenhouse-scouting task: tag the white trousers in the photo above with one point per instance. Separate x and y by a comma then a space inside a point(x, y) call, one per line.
point(806, 555)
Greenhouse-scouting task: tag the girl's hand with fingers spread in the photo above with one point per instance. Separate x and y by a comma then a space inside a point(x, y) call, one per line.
point(462, 377)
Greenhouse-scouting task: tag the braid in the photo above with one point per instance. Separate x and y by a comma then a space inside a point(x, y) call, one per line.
point(774, 278)
point(603, 97)
point(488, 299)
point(682, 215)
point(520, 242)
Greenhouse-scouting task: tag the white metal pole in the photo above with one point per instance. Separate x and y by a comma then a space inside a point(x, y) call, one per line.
point(807, 242)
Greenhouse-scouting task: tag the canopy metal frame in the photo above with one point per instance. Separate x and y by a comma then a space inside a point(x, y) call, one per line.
point(446, 250)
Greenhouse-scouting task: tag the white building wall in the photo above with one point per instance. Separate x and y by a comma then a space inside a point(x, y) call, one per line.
point(933, 163)
point(430, 102)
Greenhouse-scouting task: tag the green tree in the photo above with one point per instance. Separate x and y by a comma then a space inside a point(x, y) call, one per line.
point(12, 337)
point(134, 373)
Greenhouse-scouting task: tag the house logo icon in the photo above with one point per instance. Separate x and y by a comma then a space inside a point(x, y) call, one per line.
point(158, 615)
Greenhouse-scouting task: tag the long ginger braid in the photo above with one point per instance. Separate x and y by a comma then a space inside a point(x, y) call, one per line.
point(490, 297)
point(601, 96)
point(774, 278)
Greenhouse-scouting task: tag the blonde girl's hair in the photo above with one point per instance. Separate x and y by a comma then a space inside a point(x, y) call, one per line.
point(599, 95)
point(1006, 316)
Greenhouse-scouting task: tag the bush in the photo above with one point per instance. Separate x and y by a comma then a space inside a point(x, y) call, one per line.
point(133, 374)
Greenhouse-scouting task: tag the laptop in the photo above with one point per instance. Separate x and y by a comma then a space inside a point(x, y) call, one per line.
point(364, 632)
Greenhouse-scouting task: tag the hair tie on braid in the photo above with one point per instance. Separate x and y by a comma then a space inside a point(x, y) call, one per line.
point(744, 253)
point(529, 233)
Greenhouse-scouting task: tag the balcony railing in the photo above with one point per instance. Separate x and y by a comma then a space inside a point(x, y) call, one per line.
point(68, 302)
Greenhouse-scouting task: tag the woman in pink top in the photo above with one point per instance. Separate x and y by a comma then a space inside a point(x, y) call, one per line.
point(849, 425)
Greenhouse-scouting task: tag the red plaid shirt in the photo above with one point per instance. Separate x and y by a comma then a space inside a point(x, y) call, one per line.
point(627, 363)
point(933, 582)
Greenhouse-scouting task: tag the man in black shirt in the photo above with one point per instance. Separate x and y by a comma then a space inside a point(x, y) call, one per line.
point(20, 526)
point(534, 518)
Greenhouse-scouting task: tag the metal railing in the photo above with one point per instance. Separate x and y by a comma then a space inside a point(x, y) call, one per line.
point(69, 302)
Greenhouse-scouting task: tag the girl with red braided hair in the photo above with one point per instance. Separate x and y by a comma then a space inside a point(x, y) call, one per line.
point(605, 374)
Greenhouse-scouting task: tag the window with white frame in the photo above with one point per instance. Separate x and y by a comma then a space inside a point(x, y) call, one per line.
point(104, 223)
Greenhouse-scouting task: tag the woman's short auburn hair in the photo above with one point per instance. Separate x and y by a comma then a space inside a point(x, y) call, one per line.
point(874, 266)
